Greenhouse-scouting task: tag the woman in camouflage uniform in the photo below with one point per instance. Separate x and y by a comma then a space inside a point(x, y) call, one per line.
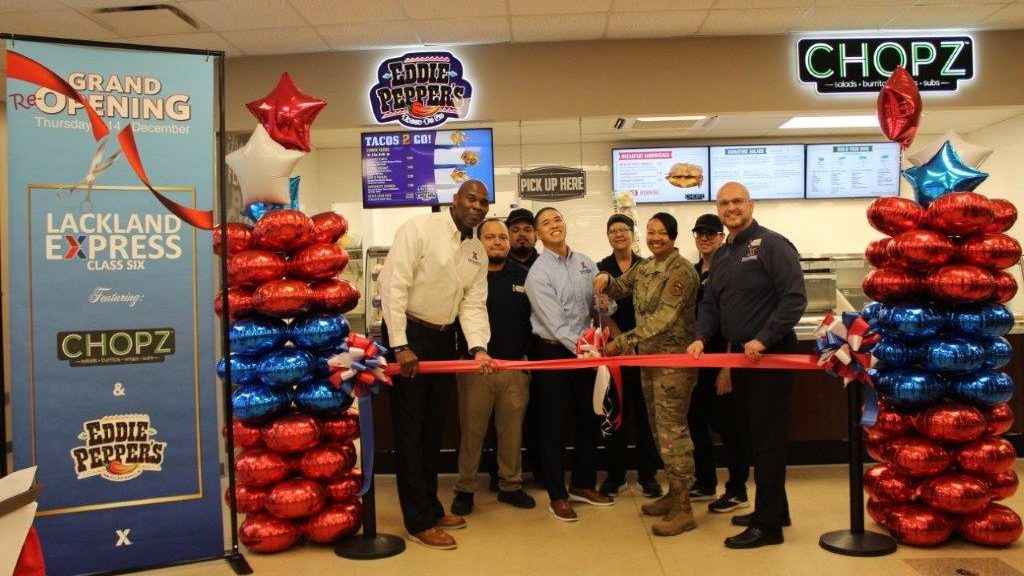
point(664, 292)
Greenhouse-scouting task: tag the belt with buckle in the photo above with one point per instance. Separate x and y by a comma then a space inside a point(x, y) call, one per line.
point(549, 342)
point(430, 325)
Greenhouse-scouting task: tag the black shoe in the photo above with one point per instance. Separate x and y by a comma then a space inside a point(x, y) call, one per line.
point(698, 494)
point(611, 487)
point(463, 503)
point(754, 537)
point(519, 499)
point(745, 520)
point(651, 488)
point(494, 483)
point(727, 503)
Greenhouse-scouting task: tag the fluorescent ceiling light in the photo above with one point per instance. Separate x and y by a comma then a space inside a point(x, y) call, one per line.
point(864, 121)
point(669, 118)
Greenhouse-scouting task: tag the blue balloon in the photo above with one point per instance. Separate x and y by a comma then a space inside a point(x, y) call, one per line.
point(257, 210)
point(910, 387)
point(285, 367)
point(319, 331)
point(952, 354)
point(257, 335)
point(912, 321)
point(943, 174)
point(985, 321)
point(257, 402)
point(243, 368)
point(321, 396)
point(998, 353)
point(872, 313)
point(893, 353)
point(986, 387)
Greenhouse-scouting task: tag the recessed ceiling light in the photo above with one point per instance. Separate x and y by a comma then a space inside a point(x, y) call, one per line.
point(863, 121)
point(669, 118)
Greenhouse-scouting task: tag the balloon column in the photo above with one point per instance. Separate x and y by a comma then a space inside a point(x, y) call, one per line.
point(293, 428)
point(938, 288)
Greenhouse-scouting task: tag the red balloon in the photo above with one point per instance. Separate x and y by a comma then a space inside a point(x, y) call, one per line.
point(239, 238)
point(291, 433)
point(296, 498)
point(239, 302)
point(886, 485)
point(319, 262)
point(961, 283)
point(260, 467)
point(951, 422)
point(921, 249)
point(1006, 287)
point(283, 231)
point(956, 493)
point(877, 252)
point(877, 510)
point(246, 434)
point(917, 525)
point(254, 267)
point(324, 462)
point(916, 456)
point(998, 418)
point(263, 533)
point(892, 215)
point(335, 296)
point(890, 422)
point(248, 499)
point(332, 524)
point(1003, 484)
point(899, 108)
point(959, 214)
point(990, 251)
point(349, 449)
point(344, 426)
point(346, 487)
point(891, 284)
point(286, 113)
point(989, 455)
point(1004, 214)
point(329, 227)
point(996, 525)
point(283, 298)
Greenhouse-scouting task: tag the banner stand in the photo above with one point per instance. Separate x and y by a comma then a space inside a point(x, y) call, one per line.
point(856, 541)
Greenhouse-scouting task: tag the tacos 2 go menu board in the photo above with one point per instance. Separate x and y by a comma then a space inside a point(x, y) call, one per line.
point(424, 168)
point(661, 174)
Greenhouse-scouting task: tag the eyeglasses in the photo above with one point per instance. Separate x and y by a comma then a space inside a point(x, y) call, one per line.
point(705, 235)
point(621, 230)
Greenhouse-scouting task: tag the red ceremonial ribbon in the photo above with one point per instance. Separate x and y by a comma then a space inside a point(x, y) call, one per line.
point(21, 67)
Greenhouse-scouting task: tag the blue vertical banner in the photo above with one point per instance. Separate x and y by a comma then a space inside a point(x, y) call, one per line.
point(109, 308)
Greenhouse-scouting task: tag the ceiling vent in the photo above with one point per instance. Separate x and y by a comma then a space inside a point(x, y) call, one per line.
point(146, 20)
point(635, 125)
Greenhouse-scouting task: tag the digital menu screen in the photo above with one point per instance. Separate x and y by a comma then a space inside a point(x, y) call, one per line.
point(425, 167)
point(769, 171)
point(661, 174)
point(853, 170)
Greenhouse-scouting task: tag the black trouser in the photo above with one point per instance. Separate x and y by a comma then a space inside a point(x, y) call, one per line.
point(418, 409)
point(762, 406)
point(557, 394)
point(634, 415)
point(709, 411)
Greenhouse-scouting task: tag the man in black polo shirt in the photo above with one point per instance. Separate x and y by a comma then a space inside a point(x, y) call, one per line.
point(504, 393)
point(754, 298)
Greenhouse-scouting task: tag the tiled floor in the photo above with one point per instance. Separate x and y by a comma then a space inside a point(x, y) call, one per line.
point(617, 541)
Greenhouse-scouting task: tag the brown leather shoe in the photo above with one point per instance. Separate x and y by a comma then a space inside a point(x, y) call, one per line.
point(562, 510)
point(434, 538)
point(451, 522)
point(590, 496)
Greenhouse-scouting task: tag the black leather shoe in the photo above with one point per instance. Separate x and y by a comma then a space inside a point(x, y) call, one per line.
point(745, 519)
point(463, 503)
point(519, 499)
point(753, 537)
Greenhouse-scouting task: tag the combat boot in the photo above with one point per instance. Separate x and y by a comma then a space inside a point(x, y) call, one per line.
point(678, 519)
point(663, 505)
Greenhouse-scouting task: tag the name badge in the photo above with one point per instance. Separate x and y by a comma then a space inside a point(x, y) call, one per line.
point(520, 289)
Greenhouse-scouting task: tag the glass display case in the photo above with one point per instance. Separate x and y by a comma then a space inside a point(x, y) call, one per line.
point(375, 256)
point(354, 273)
point(833, 281)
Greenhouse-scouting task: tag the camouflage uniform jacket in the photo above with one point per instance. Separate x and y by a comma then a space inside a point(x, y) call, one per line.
point(665, 298)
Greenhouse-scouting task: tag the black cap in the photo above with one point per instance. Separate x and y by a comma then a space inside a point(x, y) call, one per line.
point(709, 223)
point(520, 215)
point(621, 218)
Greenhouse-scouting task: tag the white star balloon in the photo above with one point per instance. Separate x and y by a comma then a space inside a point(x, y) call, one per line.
point(263, 168)
point(971, 154)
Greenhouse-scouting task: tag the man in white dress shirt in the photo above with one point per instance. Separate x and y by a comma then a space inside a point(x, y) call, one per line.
point(435, 274)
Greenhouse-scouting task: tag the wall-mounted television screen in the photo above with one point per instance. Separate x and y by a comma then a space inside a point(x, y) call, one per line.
point(425, 167)
point(661, 174)
point(769, 171)
point(853, 170)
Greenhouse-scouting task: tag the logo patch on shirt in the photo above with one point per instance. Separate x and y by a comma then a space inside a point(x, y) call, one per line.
point(584, 269)
point(518, 288)
point(677, 288)
point(752, 250)
point(475, 258)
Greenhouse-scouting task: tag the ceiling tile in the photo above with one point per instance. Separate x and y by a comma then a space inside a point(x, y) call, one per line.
point(437, 9)
point(756, 21)
point(57, 24)
point(200, 41)
point(276, 41)
point(8, 6)
point(321, 12)
point(834, 18)
point(464, 30)
point(943, 16)
point(243, 14)
point(745, 4)
point(558, 28)
point(370, 35)
point(863, 3)
point(660, 5)
point(92, 4)
point(1010, 17)
point(655, 24)
point(520, 7)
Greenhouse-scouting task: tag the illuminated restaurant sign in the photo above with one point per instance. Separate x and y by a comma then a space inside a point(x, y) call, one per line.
point(420, 90)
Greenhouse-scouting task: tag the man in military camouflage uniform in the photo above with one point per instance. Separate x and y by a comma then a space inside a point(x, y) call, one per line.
point(664, 294)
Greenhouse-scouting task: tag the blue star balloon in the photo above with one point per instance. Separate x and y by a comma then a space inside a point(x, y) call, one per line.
point(943, 174)
point(256, 210)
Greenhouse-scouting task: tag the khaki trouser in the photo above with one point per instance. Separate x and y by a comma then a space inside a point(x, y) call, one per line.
point(505, 393)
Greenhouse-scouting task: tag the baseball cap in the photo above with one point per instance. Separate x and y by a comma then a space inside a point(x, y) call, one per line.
point(709, 223)
point(520, 215)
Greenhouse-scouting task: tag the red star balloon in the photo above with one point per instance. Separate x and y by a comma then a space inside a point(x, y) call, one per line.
point(286, 113)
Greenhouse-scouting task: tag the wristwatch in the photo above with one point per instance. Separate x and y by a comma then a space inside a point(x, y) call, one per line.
point(397, 349)
point(475, 349)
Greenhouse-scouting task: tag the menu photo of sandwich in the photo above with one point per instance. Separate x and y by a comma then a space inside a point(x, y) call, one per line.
point(685, 175)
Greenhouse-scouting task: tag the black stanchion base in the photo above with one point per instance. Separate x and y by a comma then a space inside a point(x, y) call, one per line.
point(847, 543)
point(370, 547)
point(238, 563)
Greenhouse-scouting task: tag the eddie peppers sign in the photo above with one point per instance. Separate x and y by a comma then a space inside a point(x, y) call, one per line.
point(420, 90)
